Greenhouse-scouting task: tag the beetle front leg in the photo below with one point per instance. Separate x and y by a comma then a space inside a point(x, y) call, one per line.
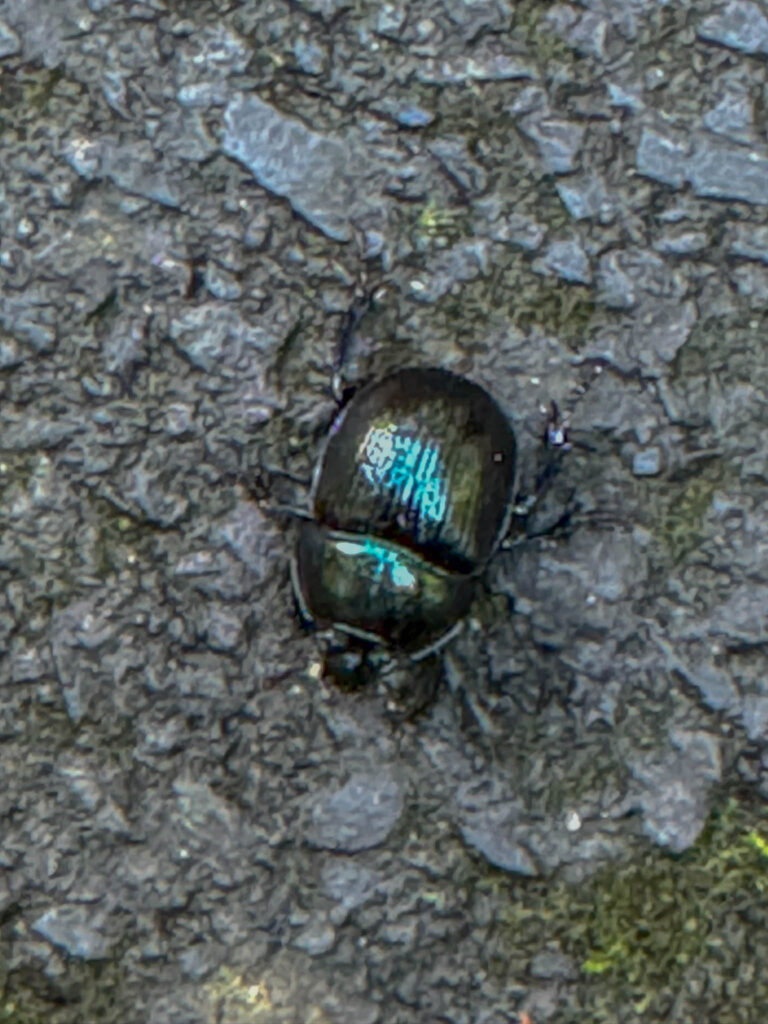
point(531, 511)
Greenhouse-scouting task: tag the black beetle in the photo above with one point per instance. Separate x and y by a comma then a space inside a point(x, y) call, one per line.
point(411, 497)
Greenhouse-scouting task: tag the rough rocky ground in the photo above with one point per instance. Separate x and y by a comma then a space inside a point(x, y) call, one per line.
point(562, 201)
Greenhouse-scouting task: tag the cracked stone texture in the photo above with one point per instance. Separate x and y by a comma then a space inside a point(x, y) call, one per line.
point(564, 202)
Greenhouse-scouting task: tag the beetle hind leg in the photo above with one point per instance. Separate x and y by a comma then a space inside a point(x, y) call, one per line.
point(410, 687)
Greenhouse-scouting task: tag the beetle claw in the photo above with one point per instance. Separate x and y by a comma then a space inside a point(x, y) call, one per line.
point(556, 433)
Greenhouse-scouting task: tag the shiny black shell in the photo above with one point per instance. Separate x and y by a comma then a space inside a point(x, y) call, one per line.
point(410, 499)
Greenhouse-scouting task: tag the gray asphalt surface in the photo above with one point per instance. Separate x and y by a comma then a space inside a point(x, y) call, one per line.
point(562, 202)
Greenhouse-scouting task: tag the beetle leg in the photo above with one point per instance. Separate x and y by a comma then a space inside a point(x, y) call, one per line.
point(285, 512)
point(476, 708)
point(531, 513)
point(365, 299)
point(556, 433)
point(261, 486)
point(362, 303)
point(409, 688)
point(528, 508)
point(346, 664)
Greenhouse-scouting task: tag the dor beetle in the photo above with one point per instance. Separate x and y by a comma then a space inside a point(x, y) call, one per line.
point(410, 499)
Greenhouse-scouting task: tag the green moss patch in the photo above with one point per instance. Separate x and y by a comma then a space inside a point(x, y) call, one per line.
point(684, 935)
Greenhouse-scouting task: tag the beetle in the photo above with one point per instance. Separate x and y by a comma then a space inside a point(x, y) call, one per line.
point(410, 499)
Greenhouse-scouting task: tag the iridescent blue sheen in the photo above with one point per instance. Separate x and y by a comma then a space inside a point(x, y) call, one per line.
point(381, 557)
point(407, 469)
